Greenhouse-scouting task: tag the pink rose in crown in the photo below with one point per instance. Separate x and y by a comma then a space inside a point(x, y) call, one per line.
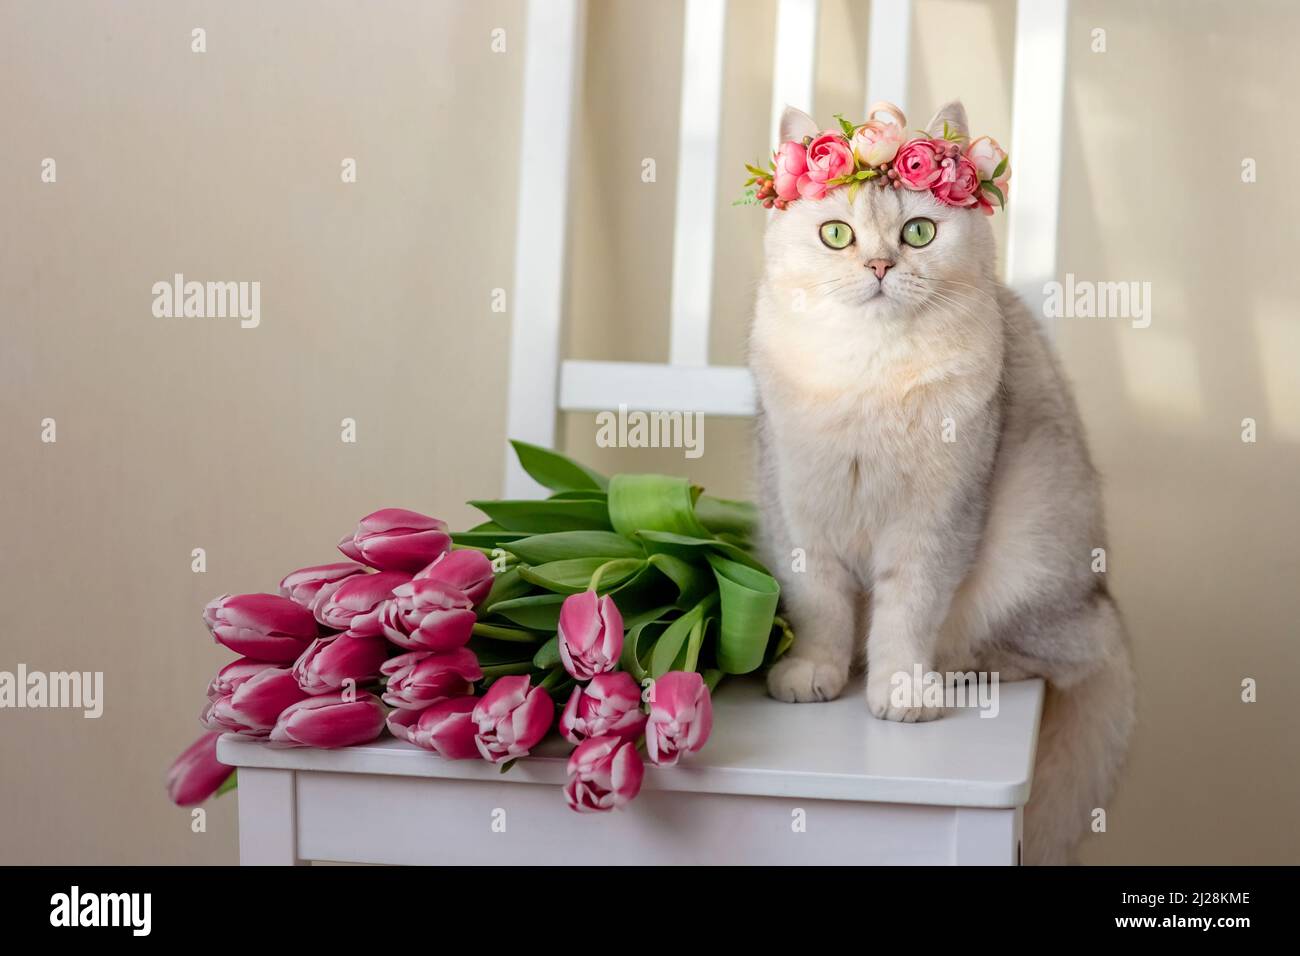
point(918, 163)
point(590, 634)
point(421, 678)
point(960, 183)
point(987, 156)
point(829, 157)
point(609, 706)
point(604, 773)
point(355, 602)
point(330, 720)
point(465, 570)
point(197, 773)
point(265, 627)
point(330, 661)
point(681, 717)
point(303, 585)
point(447, 727)
point(394, 539)
point(791, 163)
point(511, 719)
point(877, 142)
point(428, 615)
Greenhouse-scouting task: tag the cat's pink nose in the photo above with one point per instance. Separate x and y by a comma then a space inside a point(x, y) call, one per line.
point(879, 267)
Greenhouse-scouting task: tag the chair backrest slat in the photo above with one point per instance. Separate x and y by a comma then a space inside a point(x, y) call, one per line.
point(794, 70)
point(697, 181)
point(1037, 109)
point(552, 65)
point(889, 42)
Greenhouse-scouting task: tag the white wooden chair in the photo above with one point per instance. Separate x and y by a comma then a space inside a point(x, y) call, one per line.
point(777, 783)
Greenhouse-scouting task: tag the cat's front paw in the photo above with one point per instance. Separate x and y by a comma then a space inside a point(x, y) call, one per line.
point(890, 697)
point(797, 680)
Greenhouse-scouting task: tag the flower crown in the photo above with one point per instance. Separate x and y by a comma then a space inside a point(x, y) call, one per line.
point(956, 170)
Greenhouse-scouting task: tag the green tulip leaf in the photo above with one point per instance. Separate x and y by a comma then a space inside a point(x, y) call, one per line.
point(749, 599)
point(552, 470)
point(574, 574)
point(548, 655)
point(545, 517)
point(506, 586)
point(507, 632)
point(563, 545)
point(653, 503)
point(537, 612)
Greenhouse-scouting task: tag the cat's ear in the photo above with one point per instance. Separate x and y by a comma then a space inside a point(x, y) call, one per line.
point(954, 114)
point(796, 124)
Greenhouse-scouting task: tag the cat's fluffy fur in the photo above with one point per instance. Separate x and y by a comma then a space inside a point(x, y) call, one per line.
point(970, 554)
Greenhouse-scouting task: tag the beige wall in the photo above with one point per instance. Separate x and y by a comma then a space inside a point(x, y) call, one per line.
point(177, 434)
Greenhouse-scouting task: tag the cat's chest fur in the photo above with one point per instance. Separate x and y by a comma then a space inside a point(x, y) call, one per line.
point(868, 435)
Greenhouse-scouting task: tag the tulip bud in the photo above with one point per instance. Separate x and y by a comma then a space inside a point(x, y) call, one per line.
point(681, 717)
point(604, 773)
point(511, 719)
point(465, 570)
point(260, 700)
point(265, 627)
point(427, 615)
point(196, 774)
point(233, 674)
point(330, 661)
point(353, 604)
point(303, 585)
point(447, 727)
point(330, 721)
point(219, 715)
point(394, 539)
point(591, 634)
point(610, 706)
point(421, 678)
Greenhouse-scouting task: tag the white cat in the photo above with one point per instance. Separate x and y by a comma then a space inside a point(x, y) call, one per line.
point(972, 553)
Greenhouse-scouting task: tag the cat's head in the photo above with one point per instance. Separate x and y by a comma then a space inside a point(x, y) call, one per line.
point(889, 252)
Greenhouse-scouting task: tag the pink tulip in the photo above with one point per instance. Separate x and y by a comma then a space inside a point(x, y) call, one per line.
point(303, 585)
point(428, 615)
point(233, 674)
point(330, 661)
point(265, 627)
point(330, 720)
point(353, 604)
point(591, 634)
point(447, 727)
point(681, 717)
point(421, 678)
point(610, 706)
point(465, 570)
point(219, 715)
point(511, 719)
point(604, 773)
point(259, 701)
point(394, 539)
point(197, 773)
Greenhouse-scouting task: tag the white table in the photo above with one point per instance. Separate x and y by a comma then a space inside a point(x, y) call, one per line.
point(777, 783)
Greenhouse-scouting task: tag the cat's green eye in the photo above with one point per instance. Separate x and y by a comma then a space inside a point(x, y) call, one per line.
point(836, 234)
point(918, 232)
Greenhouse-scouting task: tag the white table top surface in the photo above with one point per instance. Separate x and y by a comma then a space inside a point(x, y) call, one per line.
point(762, 747)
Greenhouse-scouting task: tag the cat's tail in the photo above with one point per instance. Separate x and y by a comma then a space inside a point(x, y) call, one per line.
point(1082, 742)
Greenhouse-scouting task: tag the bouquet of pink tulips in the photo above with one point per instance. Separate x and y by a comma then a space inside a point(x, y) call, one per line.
point(619, 601)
